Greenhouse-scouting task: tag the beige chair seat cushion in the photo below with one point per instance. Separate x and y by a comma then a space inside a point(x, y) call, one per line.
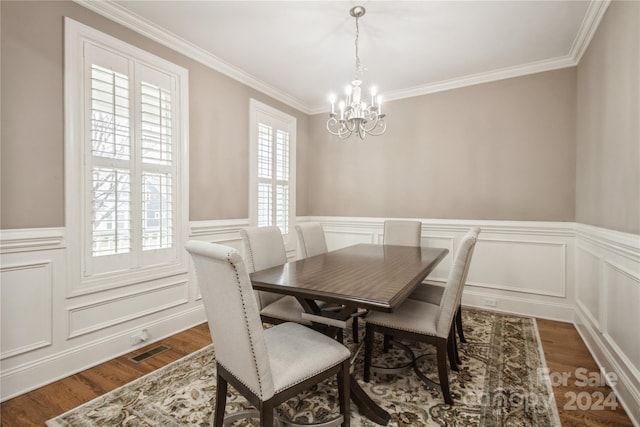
point(430, 292)
point(413, 316)
point(297, 353)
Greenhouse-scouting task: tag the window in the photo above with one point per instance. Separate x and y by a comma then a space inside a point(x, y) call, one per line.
point(126, 146)
point(273, 142)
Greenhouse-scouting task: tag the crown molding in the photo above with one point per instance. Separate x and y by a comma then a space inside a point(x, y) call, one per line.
point(119, 14)
point(122, 16)
point(474, 79)
point(587, 30)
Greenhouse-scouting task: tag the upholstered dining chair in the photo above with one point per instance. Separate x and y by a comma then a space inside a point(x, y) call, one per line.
point(264, 248)
point(422, 321)
point(431, 292)
point(311, 239)
point(268, 366)
point(402, 232)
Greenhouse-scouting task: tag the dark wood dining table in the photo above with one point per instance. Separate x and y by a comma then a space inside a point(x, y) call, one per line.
point(363, 276)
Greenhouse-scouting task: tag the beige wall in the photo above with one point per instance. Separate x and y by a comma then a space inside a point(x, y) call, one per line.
point(502, 151)
point(32, 169)
point(608, 129)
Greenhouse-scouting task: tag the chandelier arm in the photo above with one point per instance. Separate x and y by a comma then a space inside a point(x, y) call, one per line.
point(383, 125)
point(373, 120)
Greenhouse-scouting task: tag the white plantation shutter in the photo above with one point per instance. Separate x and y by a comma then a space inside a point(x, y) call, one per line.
point(156, 144)
point(110, 157)
point(272, 168)
point(131, 208)
point(281, 183)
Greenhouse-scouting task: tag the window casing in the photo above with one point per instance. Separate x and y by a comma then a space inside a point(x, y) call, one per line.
point(126, 159)
point(272, 177)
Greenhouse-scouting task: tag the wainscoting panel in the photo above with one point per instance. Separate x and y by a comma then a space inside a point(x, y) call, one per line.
point(531, 267)
point(590, 296)
point(608, 307)
point(623, 312)
point(103, 314)
point(26, 301)
point(47, 334)
point(441, 272)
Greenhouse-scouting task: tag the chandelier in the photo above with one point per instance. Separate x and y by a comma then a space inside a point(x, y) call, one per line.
point(355, 116)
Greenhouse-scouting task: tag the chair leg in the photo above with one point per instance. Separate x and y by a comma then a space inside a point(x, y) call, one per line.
point(221, 401)
point(368, 349)
point(354, 329)
point(386, 343)
point(459, 325)
point(455, 344)
point(451, 349)
point(266, 414)
point(441, 348)
point(344, 395)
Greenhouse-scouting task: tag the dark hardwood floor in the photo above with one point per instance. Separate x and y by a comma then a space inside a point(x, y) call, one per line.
point(576, 379)
point(563, 347)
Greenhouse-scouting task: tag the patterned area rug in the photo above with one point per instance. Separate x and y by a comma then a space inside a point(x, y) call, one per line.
point(502, 382)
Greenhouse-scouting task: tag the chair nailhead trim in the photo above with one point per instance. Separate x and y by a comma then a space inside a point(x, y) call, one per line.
point(246, 321)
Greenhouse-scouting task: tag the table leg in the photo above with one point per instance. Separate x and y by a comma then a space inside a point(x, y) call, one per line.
point(360, 398)
point(366, 405)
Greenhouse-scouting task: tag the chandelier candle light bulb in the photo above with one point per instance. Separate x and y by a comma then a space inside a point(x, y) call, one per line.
point(356, 117)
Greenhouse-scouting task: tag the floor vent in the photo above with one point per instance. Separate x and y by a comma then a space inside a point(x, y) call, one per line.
point(149, 353)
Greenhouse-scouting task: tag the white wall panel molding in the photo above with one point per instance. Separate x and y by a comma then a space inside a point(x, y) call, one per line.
point(590, 296)
point(627, 386)
point(40, 345)
point(608, 297)
point(31, 239)
point(26, 291)
point(441, 272)
point(98, 315)
point(622, 314)
point(496, 260)
point(124, 281)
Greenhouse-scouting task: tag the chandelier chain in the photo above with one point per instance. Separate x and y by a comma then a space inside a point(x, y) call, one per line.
point(359, 69)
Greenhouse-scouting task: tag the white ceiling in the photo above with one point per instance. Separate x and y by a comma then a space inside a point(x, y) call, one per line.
point(300, 51)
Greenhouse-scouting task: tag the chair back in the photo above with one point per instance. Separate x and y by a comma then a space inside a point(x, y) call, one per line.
point(263, 248)
point(311, 238)
point(455, 283)
point(233, 315)
point(402, 233)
